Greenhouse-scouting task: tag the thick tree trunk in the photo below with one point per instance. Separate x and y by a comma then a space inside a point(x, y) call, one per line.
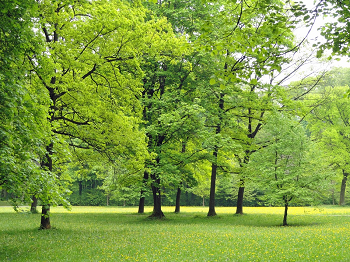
point(239, 209)
point(343, 188)
point(157, 198)
point(177, 204)
point(33, 206)
point(285, 213)
point(45, 217)
point(45, 210)
point(142, 197)
point(141, 205)
point(212, 185)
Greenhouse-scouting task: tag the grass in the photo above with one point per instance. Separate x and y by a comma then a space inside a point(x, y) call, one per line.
point(120, 234)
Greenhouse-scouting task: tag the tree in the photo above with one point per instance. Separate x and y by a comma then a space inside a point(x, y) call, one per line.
point(290, 167)
point(329, 124)
point(23, 128)
point(173, 116)
point(241, 93)
point(91, 72)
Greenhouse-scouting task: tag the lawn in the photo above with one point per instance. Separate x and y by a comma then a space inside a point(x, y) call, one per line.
point(120, 234)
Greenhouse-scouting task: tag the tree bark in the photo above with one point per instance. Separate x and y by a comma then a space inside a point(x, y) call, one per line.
point(203, 198)
point(157, 198)
point(45, 210)
point(343, 188)
point(239, 209)
point(33, 206)
point(141, 205)
point(142, 197)
point(212, 185)
point(285, 213)
point(215, 159)
point(45, 217)
point(178, 195)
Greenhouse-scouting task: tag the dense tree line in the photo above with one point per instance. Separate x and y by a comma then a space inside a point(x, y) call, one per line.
point(169, 102)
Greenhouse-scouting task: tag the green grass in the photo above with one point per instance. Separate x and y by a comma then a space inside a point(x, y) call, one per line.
point(120, 234)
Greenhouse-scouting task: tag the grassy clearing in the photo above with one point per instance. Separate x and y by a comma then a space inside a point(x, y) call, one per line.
point(120, 234)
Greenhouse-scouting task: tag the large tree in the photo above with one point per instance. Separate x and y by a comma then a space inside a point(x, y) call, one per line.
point(90, 71)
point(251, 43)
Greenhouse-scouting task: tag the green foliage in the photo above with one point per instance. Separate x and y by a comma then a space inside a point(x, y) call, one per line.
point(108, 90)
point(23, 130)
point(290, 168)
point(328, 123)
point(336, 32)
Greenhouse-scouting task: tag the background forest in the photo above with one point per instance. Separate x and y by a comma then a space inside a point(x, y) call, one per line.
point(173, 103)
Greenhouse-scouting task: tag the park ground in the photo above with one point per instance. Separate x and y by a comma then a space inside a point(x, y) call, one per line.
point(120, 234)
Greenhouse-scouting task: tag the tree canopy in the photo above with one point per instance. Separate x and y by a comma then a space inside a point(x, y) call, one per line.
point(147, 100)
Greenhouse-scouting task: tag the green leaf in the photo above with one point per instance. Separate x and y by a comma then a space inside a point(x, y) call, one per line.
point(254, 82)
point(319, 53)
point(306, 17)
point(212, 81)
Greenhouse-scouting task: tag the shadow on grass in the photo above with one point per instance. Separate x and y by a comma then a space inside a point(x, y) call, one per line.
point(251, 220)
point(118, 221)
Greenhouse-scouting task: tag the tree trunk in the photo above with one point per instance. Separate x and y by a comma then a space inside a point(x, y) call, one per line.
point(34, 205)
point(107, 200)
point(157, 198)
point(285, 213)
point(203, 201)
point(45, 210)
point(215, 159)
point(343, 188)
point(142, 197)
point(212, 185)
point(178, 195)
point(141, 205)
point(45, 217)
point(239, 209)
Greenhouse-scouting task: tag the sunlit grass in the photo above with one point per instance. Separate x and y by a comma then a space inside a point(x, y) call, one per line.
point(120, 234)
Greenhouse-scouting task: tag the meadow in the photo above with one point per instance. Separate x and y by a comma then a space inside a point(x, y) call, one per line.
point(120, 234)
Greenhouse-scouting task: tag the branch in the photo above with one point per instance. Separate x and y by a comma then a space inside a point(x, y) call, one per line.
point(90, 72)
point(92, 40)
point(71, 121)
